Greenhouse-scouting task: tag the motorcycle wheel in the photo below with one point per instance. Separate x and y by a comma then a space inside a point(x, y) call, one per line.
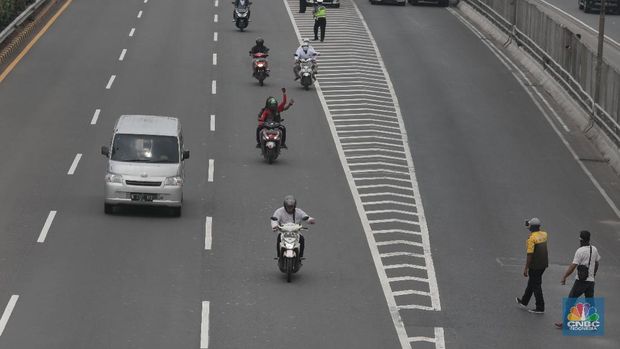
point(260, 82)
point(306, 87)
point(289, 269)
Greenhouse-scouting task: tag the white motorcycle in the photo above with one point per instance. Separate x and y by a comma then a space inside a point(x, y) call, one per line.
point(307, 72)
point(241, 16)
point(289, 260)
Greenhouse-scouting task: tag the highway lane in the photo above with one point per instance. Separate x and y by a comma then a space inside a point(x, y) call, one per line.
point(612, 21)
point(137, 280)
point(486, 159)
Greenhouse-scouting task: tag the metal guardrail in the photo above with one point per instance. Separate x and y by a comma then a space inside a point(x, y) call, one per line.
point(20, 19)
point(601, 117)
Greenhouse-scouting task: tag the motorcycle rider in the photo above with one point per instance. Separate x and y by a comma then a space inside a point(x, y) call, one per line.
point(305, 51)
point(241, 4)
point(289, 213)
point(271, 112)
point(258, 48)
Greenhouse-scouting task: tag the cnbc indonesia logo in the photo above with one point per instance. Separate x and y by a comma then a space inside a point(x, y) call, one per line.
point(583, 317)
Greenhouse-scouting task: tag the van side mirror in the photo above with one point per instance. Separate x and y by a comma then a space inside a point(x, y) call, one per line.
point(185, 154)
point(105, 151)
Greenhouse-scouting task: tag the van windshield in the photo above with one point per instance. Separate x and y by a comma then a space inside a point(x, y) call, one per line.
point(145, 148)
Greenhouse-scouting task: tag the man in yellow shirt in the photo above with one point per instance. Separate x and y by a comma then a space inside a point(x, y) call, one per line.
point(535, 265)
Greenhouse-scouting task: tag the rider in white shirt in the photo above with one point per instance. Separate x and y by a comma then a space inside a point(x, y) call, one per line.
point(289, 213)
point(305, 51)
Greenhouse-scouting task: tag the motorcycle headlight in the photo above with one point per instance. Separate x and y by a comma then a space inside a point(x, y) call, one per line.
point(174, 181)
point(113, 178)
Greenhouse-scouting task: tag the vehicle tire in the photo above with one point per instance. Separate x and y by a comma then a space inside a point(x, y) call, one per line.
point(289, 269)
point(579, 4)
point(337, 6)
point(444, 3)
point(108, 208)
point(373, 2)
point(586, 6)
point(260, 82)
point(402, 3)
point(176, 212)
point(413, 2)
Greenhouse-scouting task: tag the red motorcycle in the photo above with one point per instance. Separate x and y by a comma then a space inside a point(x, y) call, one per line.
point(261, 67)
point(271, 141)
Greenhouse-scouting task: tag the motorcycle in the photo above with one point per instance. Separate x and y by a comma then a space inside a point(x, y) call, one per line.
point(261, 67)
point(289, 260)
point(242, 16)
point(306, 73)
point(271, 141)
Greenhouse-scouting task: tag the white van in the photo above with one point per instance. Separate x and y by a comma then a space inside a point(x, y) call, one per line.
point(145, 163)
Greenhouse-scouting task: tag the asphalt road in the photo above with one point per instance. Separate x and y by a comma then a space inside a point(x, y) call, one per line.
point(138, 279)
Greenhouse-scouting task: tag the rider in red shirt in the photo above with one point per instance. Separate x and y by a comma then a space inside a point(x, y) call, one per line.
point(272, 112)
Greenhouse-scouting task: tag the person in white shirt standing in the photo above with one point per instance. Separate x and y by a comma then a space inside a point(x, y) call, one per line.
point(586, 261)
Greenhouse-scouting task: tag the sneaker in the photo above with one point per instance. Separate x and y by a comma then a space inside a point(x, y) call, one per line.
point(521, 305)
point(315, 39)
point(536, 311)
point(559, 325)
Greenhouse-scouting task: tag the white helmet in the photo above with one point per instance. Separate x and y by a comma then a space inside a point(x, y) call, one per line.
point(319, 1)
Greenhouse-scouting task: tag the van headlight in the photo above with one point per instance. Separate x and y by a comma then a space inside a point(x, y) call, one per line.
point(174, 181)
point(113, 178)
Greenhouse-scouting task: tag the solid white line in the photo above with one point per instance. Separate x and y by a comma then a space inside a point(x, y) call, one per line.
point(93, 121)
point(213, 87)
point(215, 59)
point(212, 123)
point(383, 202)
point(391, 211)
point(46, 226)
point(132, 31)
point(393, 220)
point(369, 186)
point(215, 19)
point(140, 14)
point(422, 339)
point(400, 254)
point(417, 307)
point(110, 82)
point(399, 242)
point(407, 278)
point(374, 156)
point(398, 266)
point(508, 63)
point(214, 36)
point(398, 231)
point(211, 169)
point(73, 167)
point(377, 163)
point(7, 312)
point(208, 232)
point(204, 326)
point(409, 292)
point(382, 170)
point(439, 338)
point(374, 149)
point(122, 56)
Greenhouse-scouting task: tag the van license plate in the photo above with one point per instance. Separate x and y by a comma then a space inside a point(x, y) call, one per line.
point(142, 197)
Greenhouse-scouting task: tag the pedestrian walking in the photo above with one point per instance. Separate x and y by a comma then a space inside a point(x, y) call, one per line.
point(302, 6)
point(536, 263)
point(320, 19)
point(586, 261)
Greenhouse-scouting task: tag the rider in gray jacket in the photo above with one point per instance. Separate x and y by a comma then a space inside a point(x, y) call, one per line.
point(289, 213)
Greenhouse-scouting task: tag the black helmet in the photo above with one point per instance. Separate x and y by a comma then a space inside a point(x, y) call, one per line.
point(272, 103)
point(260, 41)
point(290, 203)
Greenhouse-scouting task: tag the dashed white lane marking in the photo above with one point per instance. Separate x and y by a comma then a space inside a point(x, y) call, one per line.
point(46, 226)
point(204, 326)
point(110, 82)
point(215, 18)
point(213, 87)
point(215, 36)
point(6, 315)
point(132, 31)
point(217, 3)
point(525, 82)
point(208, 232)
point(212, 123)
point(366, 123)
point(93, 121)
point(211, 170)
point(140, 14)
point(74, 164)
point(122, 56)
point(145, 1)
point(215, 59)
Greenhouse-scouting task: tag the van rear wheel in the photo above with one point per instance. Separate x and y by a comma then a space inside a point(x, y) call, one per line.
point(108, 208)
point(176, 211)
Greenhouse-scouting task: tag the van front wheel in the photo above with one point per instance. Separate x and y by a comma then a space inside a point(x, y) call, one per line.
point(176, 211)
point(108, 208)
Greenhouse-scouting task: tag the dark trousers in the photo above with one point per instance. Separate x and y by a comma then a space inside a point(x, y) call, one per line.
point(281, 127)
point(302, 245)
point(585, 288)
point(320, 22)
point(302, 6)
point(534, 286)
